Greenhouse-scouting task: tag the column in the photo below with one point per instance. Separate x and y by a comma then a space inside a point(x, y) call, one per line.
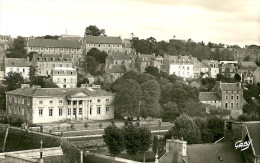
point(77, 110)
point(83, 106)
point(71, 109)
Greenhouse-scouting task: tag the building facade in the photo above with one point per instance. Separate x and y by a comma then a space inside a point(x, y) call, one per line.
point(64, 77)
point(213, 67)
point(181, 66)
point(18, 65)
point(47, 105)
point(103, 43)
point(73, 48)
point(45, 63)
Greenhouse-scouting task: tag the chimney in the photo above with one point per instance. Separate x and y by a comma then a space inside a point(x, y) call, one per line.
point(175, 150)
point(36, 87)
point(23, 86)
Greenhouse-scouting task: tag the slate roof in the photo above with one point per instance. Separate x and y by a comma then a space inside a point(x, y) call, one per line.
point(200, 65)
point(16, 62)
point(209, 96)
point(103, 40)
point(182, 59)
point(230, 87)
point(254, 134)
point(122, 56)
point(54, 92)
point(199, 153)
point(54, 43)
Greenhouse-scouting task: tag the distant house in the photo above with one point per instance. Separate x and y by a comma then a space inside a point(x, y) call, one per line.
point(178, 151)
point(18, 65)
point(64, 77)
point(227, 96)
point(213, 67)
point(6, 39)
point(127, 45)
point(116, 71)
point(200, 68)
point(228, 67)
point(103, 43)
point(44, 63)
point(57, 47)
point(120, 58)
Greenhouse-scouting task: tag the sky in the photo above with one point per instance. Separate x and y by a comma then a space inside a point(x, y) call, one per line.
point(219, 21)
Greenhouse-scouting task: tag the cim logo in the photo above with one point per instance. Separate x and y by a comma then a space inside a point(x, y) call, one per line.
point(242, 145)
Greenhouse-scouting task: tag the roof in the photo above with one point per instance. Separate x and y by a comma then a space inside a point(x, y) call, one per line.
point(122, 56)
point(88, 75)
point(64, 68)
point(200, 65)
point(248, 64)
point(254, 132)
point(146, 57)
point(117, 69)
point(182, 59)
point(230, 87)
point(209, 96)
point(16, 62)
point(54, 43)
point(103, 40)
point(213, 153)
point(54, 92)
point(257, 102)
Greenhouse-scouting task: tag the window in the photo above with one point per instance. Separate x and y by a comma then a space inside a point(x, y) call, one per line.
point(98, 110)
point(232, 97)
point(51, 102)
point(67, 65)
point(10, 98)
point(237, 105)
point(60, 101)
point(71, 55)
point(65, 80)
point(226, 97)
point(80, 111)
point(61, 49)
point(98, 100)
point(40, 102)
point(80, 102)
point(40, 112)
point(90, 101)
point(226, 105)
point(107, 100)
point(60, 65)
point(237, 97)
point(90, 110)
point(232, 105)
point(22, 101)
point(50, 112)
point(28, 101)
point(67, 49)
point(69, 111)
point(72, 50)
point(60, 112)
point(107, 109)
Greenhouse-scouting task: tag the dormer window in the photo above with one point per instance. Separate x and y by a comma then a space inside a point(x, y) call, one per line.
point(58, 72)
point(53, 59)
point(71, 72)
point(46, 59)
point(13, 63)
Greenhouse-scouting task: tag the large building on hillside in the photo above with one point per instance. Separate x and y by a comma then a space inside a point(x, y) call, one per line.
point(213, 67)
point(64, 77)
point(44, 63)
point(104, 43)
point(145, 60)
point(18, 65)
point(57, 47)
point(227, 96)
point(181, 66)
point(47, 105)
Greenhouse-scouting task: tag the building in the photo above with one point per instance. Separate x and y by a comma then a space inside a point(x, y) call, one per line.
point(18, 65)
point(256, 75)
point(245, 132)
point(213, 67)
point(2, 63)
point(145, 60)
point(229, 67)
point(104, 43)
point(64, 77)
point(57, 47)
point(226, 96)
point(44, 63)
point(120, 58)
point(181, 66)
point(115, 72)
point(200, 69)
point(247, 70)
point(127, 45)
point(211, 98)
point(178, 151)
point(47, 105)
point(90, 78)
point(6, 39)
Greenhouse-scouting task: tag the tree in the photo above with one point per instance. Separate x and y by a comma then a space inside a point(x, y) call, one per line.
point(91, 65)
point(216, 125)
point(237, 77)
point(2, 98)
point(145, 140)
point(206, 133)
point(17, 49)
point(170, 111)
point(158, 144)
point(93, 30)
point(185, 127)
point(114, 139)
point(153, 71)
point(100, 56)
point(13, 81)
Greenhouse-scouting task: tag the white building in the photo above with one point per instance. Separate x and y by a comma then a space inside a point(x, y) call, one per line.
point(64, 77)
point(18, 65)
point(47, 105)
point(181, 66)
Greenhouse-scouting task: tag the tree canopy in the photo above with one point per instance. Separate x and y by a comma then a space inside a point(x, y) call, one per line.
point(17, 49)
point(13, 81)
point(94, 31)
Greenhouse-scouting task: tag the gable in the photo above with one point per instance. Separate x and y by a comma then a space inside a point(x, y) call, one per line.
point(80, 94)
